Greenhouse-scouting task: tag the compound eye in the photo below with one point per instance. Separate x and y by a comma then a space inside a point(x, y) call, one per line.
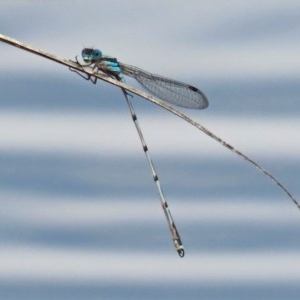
point(97, 53)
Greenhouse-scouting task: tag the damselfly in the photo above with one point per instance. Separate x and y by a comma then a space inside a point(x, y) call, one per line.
point(171, 91)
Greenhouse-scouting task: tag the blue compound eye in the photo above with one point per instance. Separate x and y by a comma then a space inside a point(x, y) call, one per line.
point(97, 53)
point(87, 54)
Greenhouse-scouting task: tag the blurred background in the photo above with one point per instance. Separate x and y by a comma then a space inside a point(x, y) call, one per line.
point(80, 217)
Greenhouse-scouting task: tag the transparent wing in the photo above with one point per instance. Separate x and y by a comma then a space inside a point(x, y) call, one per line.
point(169, 90)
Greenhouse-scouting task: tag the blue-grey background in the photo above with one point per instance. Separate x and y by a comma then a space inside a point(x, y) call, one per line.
point(79, 213)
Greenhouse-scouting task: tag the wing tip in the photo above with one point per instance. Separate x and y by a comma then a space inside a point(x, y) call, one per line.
point(204, 101)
